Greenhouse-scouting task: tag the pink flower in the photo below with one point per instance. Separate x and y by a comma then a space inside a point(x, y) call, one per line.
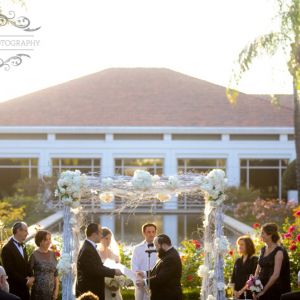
point(293, 247)
point(287, 236)
point(292, 229)
point(298, 238)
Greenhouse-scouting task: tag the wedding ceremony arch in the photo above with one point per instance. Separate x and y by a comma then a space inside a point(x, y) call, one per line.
point(141, 188)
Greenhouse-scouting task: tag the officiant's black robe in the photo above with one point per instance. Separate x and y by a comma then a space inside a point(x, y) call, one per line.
point(91, 272)
point(165, 284)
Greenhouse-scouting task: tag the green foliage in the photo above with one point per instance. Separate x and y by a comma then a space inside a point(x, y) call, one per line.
point(192, 258)
point(241, 194)
point(289, 177)
point(125, 254)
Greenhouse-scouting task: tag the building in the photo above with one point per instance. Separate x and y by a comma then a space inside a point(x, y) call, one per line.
point(117, 120)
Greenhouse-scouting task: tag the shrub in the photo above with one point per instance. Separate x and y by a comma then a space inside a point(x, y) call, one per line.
point(289, 177)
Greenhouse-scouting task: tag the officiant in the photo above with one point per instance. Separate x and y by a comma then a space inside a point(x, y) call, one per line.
point(164, 280)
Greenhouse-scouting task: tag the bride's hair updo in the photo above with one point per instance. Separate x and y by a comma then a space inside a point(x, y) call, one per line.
point(105, 232)
point(272, 230)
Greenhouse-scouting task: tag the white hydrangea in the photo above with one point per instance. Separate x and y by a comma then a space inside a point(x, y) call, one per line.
point(222, 245)
point(202, 271)
point(172, 182)
point(142, 180)
point(64, 265)
point(155, 178)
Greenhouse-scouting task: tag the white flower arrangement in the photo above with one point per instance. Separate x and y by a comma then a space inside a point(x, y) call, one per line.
point(222, 245)
point(155, 179)
point(203, 271)
point(162, 197)
point(70, 186)
point(107, 183)
point(107, 197)
point(172, 182)
point(64, 265)
point(254, 284)
point(211, 274)
point(142, 180)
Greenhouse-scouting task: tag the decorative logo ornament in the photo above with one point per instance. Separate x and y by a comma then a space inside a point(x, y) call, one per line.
point(19, 22)
point(12, 61)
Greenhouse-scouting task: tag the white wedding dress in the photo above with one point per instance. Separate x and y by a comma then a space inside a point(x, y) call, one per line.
point(111, 294)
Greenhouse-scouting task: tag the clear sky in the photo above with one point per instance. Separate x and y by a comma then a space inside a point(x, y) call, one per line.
point(200, 38)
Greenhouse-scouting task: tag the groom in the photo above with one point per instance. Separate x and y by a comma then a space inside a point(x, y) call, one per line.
point(90, 269)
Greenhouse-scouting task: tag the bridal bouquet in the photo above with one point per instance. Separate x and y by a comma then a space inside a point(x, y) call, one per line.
point(114, 284)
point(254, 284)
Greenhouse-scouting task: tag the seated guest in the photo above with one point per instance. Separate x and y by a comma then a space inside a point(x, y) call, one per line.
point(88, 296)
point(43, 265)
point(4, 287)
point(244, 266)
point(15, 262)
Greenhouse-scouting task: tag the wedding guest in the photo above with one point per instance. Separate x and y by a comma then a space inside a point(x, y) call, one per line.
point(165, 277)
point(273, 267)
point(90, 269)
point(109, 250)
point(15, 262)
point(244, 266)
point(4, 287)
point(43, 265)
point(140, 258)
point(88, 296)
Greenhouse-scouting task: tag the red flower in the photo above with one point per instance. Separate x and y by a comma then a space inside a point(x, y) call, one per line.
point(287, 236)
point(57, 254)
point(230, 252)
point(256, 225)
point(292, 229)
point(297, 214)
point(298, 238)
point(293, 247)
point(196, 244)
point(189, 277)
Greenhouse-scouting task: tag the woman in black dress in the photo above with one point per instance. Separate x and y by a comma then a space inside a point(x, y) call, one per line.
point(244, 266)
point(273, 267)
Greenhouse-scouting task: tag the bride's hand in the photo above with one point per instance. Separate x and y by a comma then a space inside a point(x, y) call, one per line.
point(140, 274)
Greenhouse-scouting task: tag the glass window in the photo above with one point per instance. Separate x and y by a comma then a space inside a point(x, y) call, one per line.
point(264, 174)
point(85, 165)
point(127, 166)
point(13, 170)
point(199, 165)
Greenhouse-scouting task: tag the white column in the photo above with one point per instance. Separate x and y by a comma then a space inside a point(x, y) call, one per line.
point(44, 164)
point(108, 221)
point(170, 169)
point(170, 228)
point(233, 169)
point(107, 169)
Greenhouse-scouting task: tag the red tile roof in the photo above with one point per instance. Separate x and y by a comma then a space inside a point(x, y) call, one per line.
point(142, 97)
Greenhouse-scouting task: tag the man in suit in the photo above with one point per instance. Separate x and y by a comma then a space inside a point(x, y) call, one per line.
point(15, 262)
point(90, 269)
point(4, 287)
point(166, 275)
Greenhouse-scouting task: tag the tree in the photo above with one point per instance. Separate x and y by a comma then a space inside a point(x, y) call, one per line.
point(286, 39)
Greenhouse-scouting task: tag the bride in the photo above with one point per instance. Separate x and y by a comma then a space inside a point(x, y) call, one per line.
point(109, 250)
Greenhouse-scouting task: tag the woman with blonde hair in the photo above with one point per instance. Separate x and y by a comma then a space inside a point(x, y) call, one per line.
point(244, 266)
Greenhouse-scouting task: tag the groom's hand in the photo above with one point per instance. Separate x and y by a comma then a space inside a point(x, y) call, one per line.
point(140, 283)
point(118, 272)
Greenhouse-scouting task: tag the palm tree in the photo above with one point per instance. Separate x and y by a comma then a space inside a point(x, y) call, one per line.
point(287, 39)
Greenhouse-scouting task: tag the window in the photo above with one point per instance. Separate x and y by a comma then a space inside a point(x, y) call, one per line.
point(264, 174)
point(14, 169)
point(127, 166)
point(196, 165)
point(85, 165)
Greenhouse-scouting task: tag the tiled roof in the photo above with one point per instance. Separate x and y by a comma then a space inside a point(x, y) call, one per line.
point(142, 97)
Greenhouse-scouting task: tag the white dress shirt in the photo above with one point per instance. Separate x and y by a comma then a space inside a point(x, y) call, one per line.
point(140, 261)
point(20, 248)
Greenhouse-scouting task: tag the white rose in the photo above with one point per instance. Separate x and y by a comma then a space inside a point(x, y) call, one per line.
point(202, 271)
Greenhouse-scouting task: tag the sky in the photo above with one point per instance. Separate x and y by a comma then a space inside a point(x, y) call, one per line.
point(200, 38)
